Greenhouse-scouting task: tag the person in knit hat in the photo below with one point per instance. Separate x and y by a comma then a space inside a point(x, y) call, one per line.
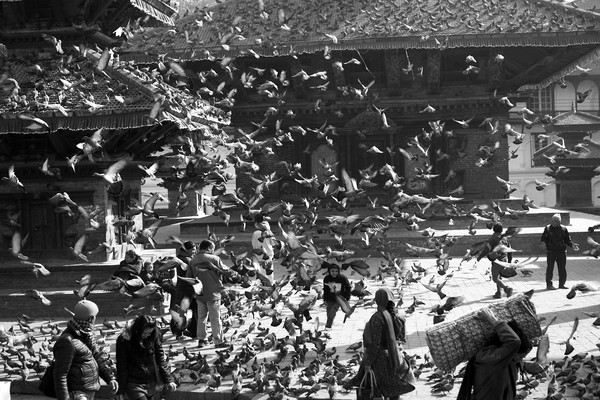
point(79, 363)
point(336, 292)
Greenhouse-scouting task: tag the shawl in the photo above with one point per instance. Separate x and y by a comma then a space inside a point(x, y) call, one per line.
point(382, 297)
point(85, 329)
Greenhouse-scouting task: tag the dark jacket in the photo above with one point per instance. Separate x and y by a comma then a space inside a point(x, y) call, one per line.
point(491, 243)
point(557, 238)
point(328, 295)
point(135, 366)
point(495, 368)
point(184, 255)
point(76, 366)
point(125, 270)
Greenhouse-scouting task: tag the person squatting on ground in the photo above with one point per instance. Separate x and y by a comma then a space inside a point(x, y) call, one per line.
point(336, 292)
point(492, 373)
point(208, 268)
point(493, 242)
point(142, 370)
point(129, 270)
point(555, 240)
point(382, 355)
point(78, 362)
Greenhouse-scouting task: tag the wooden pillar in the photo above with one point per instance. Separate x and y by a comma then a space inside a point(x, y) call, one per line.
point(495, 71)
point(339, 77)
point(392, 70)
point(434, 63)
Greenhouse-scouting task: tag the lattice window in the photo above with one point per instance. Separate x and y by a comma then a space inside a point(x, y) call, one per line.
point(542, 100)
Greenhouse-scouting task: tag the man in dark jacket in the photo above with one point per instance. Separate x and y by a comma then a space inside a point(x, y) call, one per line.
point(555, 240)
point(335, 285)
point(78, 361)
point(492, 373)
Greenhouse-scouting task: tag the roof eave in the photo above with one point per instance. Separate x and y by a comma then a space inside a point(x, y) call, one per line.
point(558, 39)
point(557, 76)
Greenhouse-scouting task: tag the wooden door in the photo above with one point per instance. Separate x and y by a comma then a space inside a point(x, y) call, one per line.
point(42, 225)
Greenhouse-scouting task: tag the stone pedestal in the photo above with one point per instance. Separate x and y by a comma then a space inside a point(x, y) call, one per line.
point(195, 208)
point(574, 189)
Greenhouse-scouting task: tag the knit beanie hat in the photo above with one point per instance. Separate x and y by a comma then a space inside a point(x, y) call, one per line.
point(85, 310)
point(332, 266)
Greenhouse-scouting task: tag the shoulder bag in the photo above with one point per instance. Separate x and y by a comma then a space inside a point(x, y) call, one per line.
point(368, 389)
point(47, 382)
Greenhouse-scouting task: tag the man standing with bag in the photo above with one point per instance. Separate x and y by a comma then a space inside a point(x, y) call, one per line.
point(208, 268)
point(78, 362)
point(555, 240)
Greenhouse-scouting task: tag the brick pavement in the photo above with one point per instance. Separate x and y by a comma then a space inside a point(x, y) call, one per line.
point(475, 285)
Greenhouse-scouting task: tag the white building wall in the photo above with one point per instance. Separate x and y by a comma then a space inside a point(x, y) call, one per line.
point(521, 169)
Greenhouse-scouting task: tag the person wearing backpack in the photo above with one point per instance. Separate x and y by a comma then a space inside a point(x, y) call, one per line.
point(79, 364)
point(555, 240)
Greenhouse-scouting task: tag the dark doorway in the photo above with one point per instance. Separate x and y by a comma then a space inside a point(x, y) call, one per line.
point(44, 226)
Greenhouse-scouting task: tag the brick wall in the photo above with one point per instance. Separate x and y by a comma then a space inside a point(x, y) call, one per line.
point(480, 182)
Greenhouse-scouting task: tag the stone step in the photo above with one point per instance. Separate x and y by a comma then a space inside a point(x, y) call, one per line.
point(110, 304)
point(61, 277)
point(534, 218)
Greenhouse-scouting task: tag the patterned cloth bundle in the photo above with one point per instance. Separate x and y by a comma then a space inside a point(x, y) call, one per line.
point(453, 342)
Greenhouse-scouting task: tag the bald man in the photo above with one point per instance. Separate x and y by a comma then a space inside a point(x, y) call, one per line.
point(555, 240)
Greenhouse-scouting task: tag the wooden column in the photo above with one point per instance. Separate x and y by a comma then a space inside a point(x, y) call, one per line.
point(339, 78)
point(434, 63)
point(392, 70)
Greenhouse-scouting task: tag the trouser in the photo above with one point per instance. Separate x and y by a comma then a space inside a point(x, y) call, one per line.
point(560, 258)
point(334, 306)
point(332, 309)
point(210, 309)
point(497, 279)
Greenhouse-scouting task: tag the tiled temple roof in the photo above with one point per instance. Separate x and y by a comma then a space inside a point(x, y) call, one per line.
point(280, 27)
point(119, 97)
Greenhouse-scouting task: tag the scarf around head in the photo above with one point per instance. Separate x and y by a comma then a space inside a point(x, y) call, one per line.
point(382, 297)
point(84, 328)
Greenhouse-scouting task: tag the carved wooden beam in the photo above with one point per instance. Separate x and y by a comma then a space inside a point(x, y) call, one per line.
point(156, 137)
point(535, 69)
point(138, 136)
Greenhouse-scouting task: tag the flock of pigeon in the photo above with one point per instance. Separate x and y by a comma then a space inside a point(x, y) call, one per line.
point(301, 224)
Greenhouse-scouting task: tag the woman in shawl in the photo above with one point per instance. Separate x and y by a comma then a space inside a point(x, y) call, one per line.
point(382, 355)
point(142, 370)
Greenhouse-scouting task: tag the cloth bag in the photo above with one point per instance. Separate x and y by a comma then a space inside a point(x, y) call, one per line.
point(508, 272)
point(47, 382)
point(368, 390)
point(453, 342)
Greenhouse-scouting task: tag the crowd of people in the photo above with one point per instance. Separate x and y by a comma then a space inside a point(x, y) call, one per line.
point(196, 276)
